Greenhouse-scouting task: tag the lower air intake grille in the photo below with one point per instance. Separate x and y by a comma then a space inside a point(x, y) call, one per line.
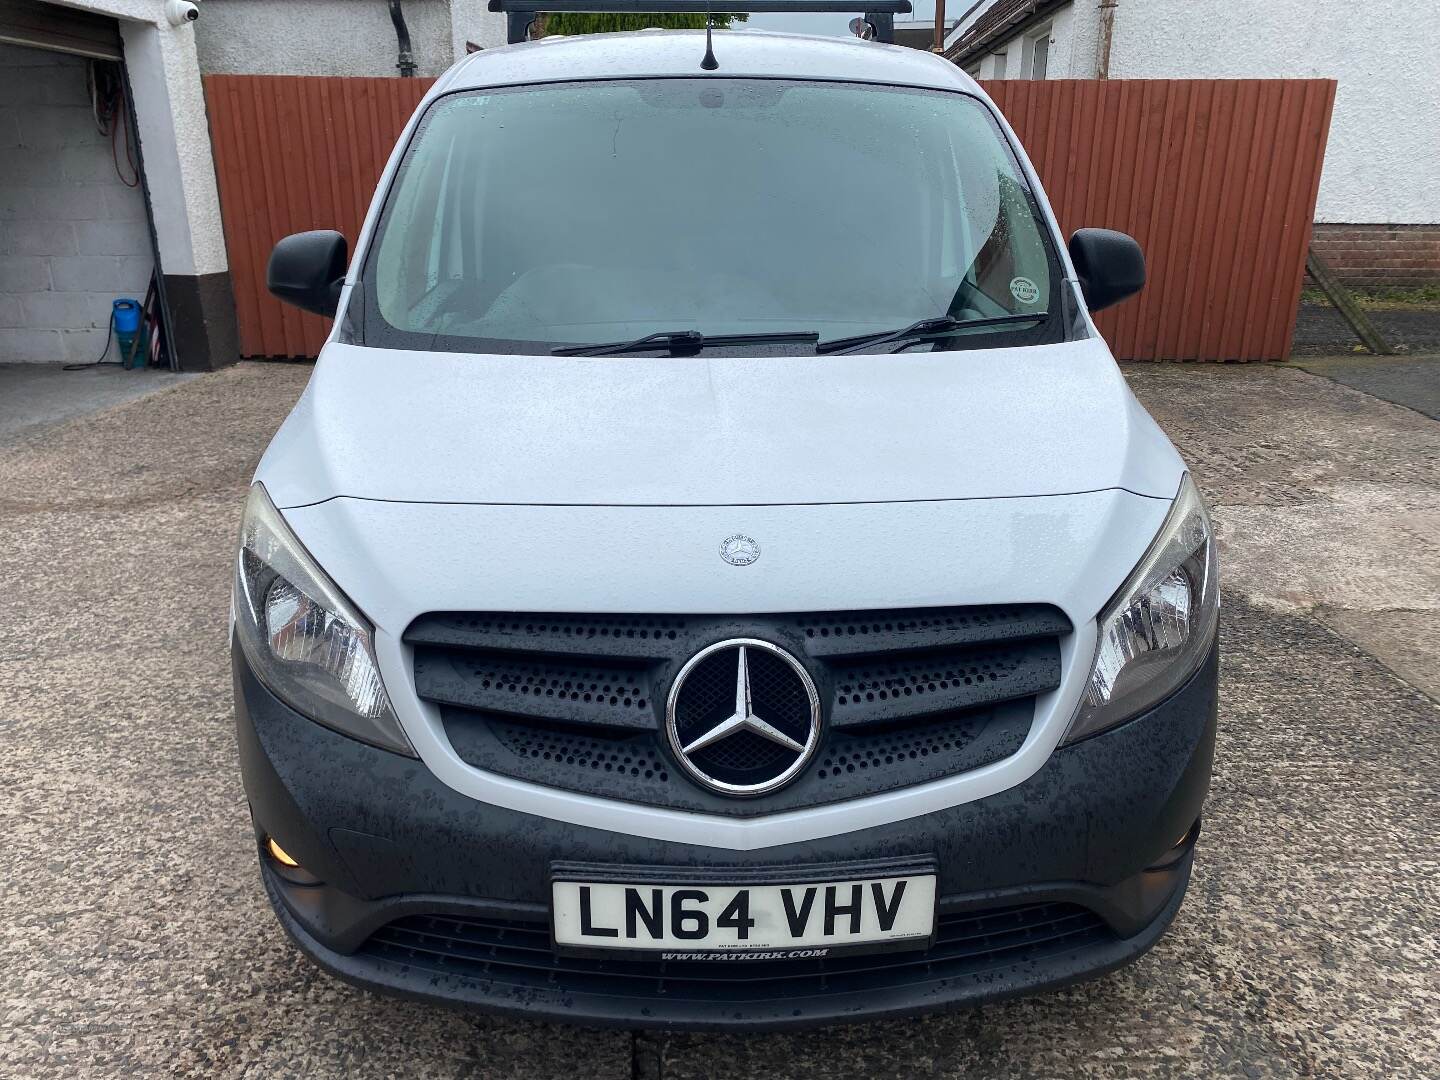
point(520, 954)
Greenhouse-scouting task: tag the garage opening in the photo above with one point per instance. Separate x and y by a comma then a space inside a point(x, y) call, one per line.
point(81, 306)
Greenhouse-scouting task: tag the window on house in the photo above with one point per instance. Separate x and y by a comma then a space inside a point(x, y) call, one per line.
point(997, 65)
point(1040, 54)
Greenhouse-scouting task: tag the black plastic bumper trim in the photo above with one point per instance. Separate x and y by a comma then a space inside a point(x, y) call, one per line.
point(609, 1003)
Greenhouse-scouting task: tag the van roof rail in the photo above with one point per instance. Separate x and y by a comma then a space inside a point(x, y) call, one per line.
point(521, 13)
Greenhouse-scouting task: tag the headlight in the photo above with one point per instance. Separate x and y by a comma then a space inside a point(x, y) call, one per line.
point(303, 639)
point(1158, 629)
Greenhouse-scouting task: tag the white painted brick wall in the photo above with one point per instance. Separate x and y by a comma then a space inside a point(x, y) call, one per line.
point(73, 237)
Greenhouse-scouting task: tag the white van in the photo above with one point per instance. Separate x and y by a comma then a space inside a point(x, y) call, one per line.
point(717, 574)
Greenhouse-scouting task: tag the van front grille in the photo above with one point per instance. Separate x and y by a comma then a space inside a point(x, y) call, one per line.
point(578, 701)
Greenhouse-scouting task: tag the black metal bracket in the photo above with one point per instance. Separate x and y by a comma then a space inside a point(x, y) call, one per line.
point(521, 13)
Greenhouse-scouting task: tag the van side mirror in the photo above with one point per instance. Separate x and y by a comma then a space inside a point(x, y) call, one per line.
point(308, 269)
point(1110, 264)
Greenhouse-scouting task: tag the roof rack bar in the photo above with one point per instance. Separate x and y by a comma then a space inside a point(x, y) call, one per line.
point(879, 13)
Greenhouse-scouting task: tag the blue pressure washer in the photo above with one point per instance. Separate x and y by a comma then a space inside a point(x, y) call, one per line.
point(125, 318)
point(130, 326)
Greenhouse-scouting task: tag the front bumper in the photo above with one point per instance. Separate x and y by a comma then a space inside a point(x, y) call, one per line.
point(431, 894)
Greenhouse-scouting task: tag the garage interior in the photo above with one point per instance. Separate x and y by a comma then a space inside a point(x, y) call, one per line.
point(76, 238)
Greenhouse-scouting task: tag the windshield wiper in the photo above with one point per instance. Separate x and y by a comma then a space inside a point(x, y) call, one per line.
point(687, 342)
point(925, 328)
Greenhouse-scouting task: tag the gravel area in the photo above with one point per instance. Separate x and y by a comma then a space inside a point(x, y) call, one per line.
point(136, 940)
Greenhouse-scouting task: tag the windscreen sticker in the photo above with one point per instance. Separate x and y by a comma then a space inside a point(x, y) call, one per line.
point(1024, 290)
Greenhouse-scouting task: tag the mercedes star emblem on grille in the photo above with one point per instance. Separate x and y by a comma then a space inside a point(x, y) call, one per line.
point(743, 717)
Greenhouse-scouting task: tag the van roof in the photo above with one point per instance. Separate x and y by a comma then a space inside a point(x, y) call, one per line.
point(652, 53)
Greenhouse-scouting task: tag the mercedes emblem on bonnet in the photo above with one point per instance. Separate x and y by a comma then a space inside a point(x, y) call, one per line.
point(739, 550)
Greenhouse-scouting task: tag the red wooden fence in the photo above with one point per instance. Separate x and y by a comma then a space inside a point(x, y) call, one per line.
point(295, 153)
point(1216, 179)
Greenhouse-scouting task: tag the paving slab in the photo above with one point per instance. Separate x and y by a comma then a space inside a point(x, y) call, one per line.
point(35, 396)
point(1327, 499)
point(1412, 381)
point(1404, 641)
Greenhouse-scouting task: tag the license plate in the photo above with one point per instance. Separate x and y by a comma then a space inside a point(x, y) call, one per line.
point(705, 920)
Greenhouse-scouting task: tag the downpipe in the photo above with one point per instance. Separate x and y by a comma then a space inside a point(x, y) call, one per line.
point(406, 61)
point(1107, 36)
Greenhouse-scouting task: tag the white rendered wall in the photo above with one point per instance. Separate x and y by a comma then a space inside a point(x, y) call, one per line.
point(472, 21)
point(175, 139)
point(338, 37)
point(319, 37)
point(1072, 44)
point(1383, 161)
point(170, 115)
point(1382, 164)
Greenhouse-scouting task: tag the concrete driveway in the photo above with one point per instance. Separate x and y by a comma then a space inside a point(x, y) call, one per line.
point(35, 396)
point(134, 937)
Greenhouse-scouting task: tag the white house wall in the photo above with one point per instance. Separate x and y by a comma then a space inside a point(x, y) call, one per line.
point(175, 139)
point(321, 37)
point(472, 21)
point(1072, 48)
point(1383, 162)
point(1383, 159)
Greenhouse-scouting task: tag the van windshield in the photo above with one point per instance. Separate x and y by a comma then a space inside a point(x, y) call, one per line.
point(537, 217)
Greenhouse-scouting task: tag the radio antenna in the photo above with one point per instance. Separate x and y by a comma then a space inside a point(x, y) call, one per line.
point(708, 63)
